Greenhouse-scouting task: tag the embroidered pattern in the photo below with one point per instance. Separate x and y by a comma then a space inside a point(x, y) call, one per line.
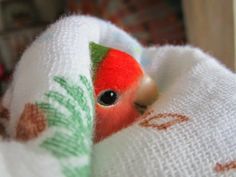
point(225, 167)
point(77, 123)
point(157, 121)
point(146, 114)
point(31, 123)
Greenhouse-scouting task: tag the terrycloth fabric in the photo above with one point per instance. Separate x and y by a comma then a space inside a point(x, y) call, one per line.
point(49, 105)
point(189, 131)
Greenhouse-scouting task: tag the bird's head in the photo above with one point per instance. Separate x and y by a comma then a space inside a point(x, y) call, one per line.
point(122, 90)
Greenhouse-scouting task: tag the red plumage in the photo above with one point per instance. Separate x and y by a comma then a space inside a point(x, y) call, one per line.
point(117, 71)
point(120, 72)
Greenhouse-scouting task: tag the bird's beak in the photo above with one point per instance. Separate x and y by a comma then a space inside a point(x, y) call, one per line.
point(146, 94)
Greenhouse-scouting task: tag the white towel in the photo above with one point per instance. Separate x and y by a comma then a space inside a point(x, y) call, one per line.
point(189, 131)
point(50, 101)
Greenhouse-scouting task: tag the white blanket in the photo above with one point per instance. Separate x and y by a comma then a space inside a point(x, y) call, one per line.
point(190, 130)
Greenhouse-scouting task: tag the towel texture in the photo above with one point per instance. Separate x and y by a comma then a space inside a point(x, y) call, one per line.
point(49, 105)
point(190, 131)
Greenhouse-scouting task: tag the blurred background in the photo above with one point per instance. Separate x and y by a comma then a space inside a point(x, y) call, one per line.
point(150, 21)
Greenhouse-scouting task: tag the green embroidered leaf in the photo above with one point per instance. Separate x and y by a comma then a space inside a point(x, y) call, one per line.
point(61, 99)
point(74, 91)
point(74, 172)
point(74, 118)
point(84, 80)
point(54, 116)
point(64, 146)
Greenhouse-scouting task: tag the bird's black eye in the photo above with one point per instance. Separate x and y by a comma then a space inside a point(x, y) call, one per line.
point(107, 98)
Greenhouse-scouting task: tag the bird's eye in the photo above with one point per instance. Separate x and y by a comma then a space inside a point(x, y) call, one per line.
point(107, 98)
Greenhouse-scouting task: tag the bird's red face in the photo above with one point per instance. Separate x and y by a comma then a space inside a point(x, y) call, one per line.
point(120, 114)
point(120, 84)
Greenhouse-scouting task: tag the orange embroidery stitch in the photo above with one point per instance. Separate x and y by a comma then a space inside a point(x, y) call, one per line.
point(31, 123)
point(176, 118)
point(225, 167)
point(146, 114)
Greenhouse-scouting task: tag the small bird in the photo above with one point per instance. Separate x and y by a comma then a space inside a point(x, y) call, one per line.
point(122, 90)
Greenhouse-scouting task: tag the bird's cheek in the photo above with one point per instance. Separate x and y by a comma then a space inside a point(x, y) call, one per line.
point(101, 115)
point(112, 119)
point(104, 121)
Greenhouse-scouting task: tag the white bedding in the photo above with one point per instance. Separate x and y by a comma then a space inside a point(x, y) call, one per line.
point(190, 131)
